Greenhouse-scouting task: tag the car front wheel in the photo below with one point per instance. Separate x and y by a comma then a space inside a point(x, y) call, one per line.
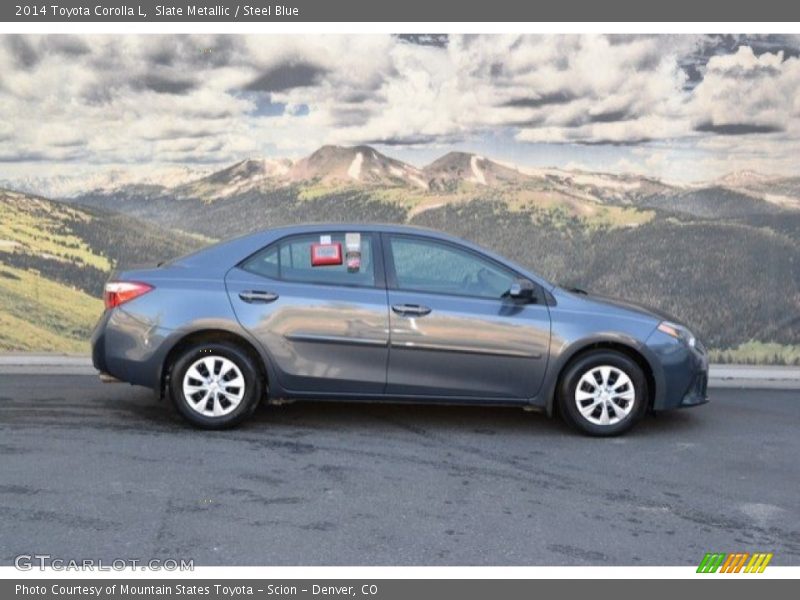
point(603, 393)
point(215, 385)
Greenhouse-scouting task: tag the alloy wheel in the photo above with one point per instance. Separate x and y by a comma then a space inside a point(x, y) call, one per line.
point(605, 395)
point(213, 386)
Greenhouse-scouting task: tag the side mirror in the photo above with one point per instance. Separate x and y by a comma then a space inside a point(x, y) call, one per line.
point(521, 289)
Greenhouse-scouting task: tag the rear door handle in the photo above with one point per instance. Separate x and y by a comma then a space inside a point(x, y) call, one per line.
point(416, 310)
point(253, 296)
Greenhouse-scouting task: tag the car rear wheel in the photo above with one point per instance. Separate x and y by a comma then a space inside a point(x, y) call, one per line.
point(215, 385)
point(603, 393)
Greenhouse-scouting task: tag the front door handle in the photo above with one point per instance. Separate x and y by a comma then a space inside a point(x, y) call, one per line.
point(416, 310)
point(253, 296)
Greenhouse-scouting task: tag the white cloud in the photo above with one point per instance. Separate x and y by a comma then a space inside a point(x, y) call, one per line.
point(160, 99)
point(748, 90)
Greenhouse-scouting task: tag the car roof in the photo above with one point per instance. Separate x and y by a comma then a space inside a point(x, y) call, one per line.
point(379, 227)
point(266, 236)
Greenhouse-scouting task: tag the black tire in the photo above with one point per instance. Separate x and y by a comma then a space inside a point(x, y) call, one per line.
point(253, 384)
point(584, 365)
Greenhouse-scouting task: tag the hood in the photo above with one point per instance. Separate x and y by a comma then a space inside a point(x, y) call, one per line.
point(642, 309)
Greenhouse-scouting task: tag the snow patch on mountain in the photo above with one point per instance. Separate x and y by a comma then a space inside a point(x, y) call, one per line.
point(744, 178)
point(418, 181)
point(277, 167)
point(476, 170)
point(604, 181)
point(784, 201)
point(354, 170)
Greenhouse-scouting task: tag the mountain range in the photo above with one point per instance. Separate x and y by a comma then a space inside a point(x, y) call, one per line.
point(737, 193)
point(79, 181)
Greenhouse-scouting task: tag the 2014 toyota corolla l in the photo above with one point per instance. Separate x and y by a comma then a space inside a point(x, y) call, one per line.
point(386, 313)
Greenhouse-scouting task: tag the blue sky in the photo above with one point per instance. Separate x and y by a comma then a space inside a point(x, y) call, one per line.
point(678, 107)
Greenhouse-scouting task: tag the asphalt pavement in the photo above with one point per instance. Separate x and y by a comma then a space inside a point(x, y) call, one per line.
point(91, 470)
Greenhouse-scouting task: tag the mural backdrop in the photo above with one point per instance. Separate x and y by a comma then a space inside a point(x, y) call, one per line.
point(659, 168)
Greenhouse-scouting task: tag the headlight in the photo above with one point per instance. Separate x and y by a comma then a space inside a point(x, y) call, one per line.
point(679, 332)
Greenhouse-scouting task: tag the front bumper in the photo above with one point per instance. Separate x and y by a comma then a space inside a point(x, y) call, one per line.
point(684, 372)
point(698, 390)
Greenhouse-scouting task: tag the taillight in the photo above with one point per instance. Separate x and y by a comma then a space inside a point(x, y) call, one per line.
point(120, 292)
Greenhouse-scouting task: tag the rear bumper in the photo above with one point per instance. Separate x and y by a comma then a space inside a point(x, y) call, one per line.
point(129, 349)
point(98, 342)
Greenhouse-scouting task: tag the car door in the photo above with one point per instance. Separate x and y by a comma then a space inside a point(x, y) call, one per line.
point(324, 327)
point(453, 333)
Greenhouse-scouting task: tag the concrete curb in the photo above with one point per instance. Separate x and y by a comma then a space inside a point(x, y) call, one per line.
point(754, 376)
point(720, 376)
point(46, 364)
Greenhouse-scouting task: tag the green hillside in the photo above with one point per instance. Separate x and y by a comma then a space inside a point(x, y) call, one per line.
point(39, 314)
point(54, 260)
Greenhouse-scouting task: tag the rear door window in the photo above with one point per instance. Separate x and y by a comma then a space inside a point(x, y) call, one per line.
point(289, 259)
